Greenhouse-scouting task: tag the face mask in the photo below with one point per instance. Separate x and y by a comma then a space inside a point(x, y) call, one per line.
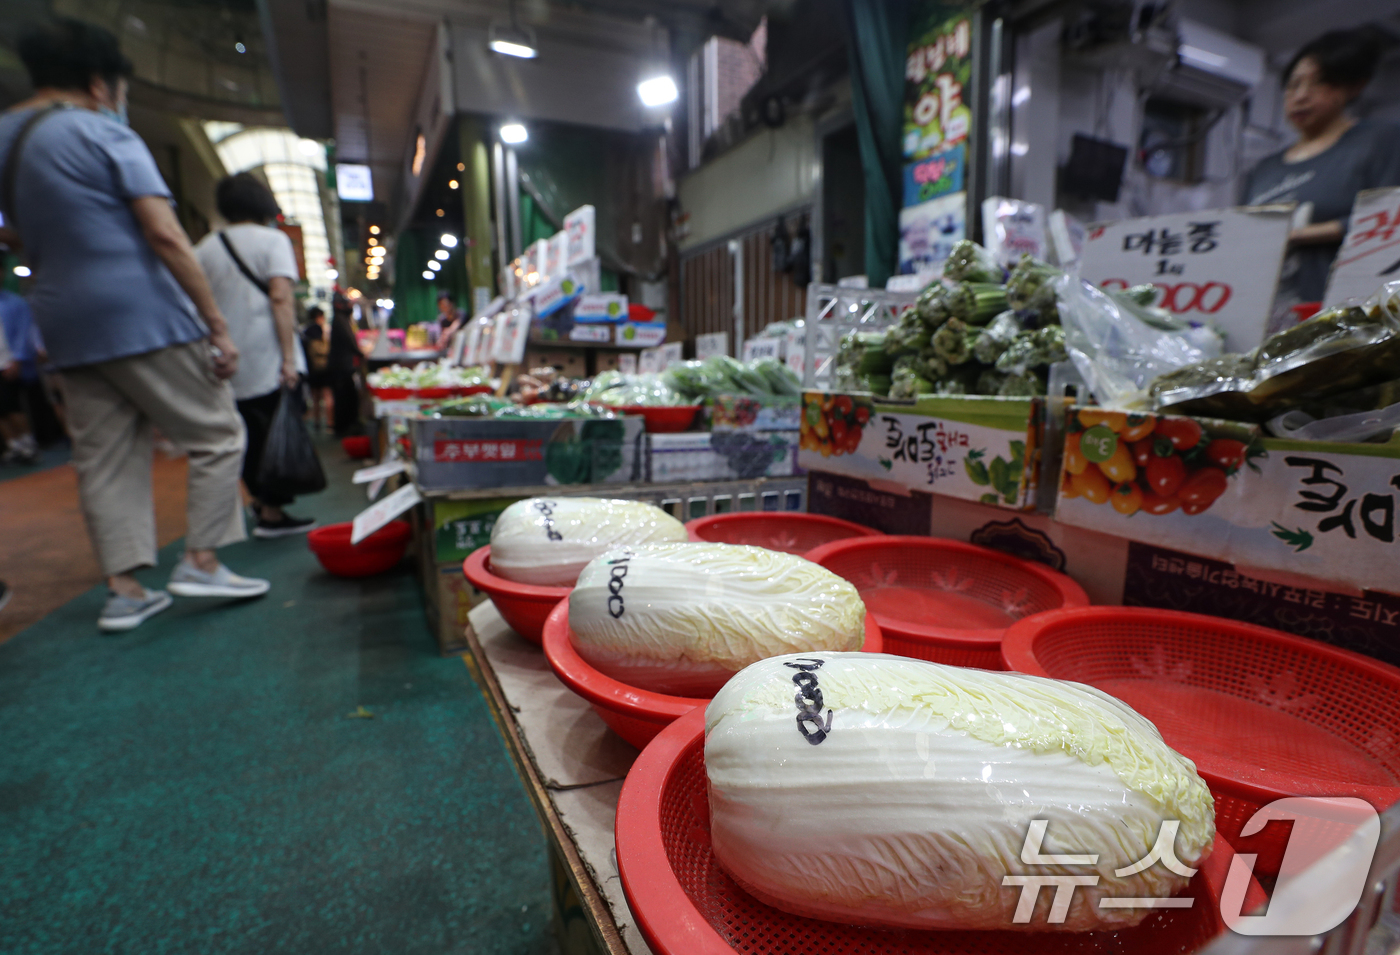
point(117, 115)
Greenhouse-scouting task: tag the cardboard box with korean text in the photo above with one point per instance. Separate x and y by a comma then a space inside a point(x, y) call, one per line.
point(972, 447)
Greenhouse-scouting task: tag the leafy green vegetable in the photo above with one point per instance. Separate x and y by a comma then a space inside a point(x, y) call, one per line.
point(969, 262)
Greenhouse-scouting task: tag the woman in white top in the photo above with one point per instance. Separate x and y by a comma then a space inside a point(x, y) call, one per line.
point(251, 268)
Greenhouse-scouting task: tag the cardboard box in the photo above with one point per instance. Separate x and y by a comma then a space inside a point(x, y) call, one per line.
point(1305, 511)
point(742, 413)
point(460, 527)
point(461, 453)
point(976, 448)
point(720, 456)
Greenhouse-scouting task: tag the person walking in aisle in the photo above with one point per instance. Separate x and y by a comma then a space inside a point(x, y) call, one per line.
point(127, 316)
point(316, 342)
point(342, 362)
point(251, 267)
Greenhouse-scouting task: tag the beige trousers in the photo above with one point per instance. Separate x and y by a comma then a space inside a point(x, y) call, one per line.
point(112, 407)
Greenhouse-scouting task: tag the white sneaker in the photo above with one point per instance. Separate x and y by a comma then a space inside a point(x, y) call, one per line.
point(187, 580)
point(127, 613)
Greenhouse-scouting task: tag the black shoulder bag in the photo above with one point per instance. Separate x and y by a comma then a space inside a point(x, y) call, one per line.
point(11, 172)
point(243, 266)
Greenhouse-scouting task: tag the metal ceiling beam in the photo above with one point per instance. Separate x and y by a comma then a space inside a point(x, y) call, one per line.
point(298, 48)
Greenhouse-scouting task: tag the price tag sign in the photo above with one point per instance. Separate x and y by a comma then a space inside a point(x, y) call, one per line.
point(375, 472)
point(1218, 266)
point(511, 332)
point(715, 343)
point(756, 348)
point(659, 359)
point(1370, 254)
point(377, 515)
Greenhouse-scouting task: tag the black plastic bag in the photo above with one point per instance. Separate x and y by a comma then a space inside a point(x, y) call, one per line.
point(289, 461)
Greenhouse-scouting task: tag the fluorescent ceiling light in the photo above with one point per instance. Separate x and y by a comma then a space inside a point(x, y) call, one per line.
point(429, 275)
point(514, 133)
point(435, 266)
point(23, 271)
point(524, 50)
point(449, 240)
point(441, 255)
point(657, 91)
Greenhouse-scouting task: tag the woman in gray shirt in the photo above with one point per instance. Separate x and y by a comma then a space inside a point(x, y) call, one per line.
point(1336, 156)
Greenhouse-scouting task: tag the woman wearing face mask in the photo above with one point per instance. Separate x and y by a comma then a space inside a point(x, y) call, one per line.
point(1336, 155)
point(128, 318)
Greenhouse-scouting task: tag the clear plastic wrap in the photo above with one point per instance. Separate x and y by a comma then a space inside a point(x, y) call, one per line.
point(546, 541)
point(1118, 354)
point(684, 618)
point(885, 791)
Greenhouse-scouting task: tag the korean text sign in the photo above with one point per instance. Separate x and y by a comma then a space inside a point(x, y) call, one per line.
point(1219, 266)
point(1370, 254)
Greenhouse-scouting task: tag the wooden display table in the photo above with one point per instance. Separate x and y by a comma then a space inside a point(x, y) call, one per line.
point(572, 766)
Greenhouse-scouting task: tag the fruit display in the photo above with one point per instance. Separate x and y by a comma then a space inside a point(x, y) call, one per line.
point(833, 424)
point(1152, 464)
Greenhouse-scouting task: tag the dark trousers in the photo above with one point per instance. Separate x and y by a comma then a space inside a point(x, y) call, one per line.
point(257, 417)
point(347, 404)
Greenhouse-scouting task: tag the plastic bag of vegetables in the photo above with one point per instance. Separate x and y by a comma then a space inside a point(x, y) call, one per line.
point(547, 540)
point(684, 618)
point(865, 788)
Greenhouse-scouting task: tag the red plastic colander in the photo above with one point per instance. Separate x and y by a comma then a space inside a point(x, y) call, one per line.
point(377, 553)
point(1262, 714)
point(788, 531)
point(634, 714)
point(523, 606)
point(685, 904)
point(663, 419)
point(945, 600)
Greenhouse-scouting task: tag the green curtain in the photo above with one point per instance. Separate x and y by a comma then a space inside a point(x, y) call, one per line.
point(415, 298)
point(877, 38)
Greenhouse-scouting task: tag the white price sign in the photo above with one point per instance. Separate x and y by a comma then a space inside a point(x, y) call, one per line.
point(1219, 266)
point(1370, 255)
point(715, 343)
point(659, 359)
point(756, 348)
point(377, 471)
point(377, 515)
point(511, 334)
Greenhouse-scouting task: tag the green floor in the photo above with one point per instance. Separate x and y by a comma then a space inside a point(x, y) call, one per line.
point(199, 786)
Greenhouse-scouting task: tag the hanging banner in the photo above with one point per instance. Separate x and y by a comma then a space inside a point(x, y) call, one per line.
point(937, 127)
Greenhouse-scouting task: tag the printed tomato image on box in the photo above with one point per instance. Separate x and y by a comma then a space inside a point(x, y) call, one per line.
point(1150, 464)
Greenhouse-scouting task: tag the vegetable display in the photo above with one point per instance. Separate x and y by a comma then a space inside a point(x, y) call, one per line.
point(684, 618)
point(833, 424)
point(547, 541)
point(722, 375)
point(1148, 463)
point(427, 374)
point(952, 341)
point(884, 791)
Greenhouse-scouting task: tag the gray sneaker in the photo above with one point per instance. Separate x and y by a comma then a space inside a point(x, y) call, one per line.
point(187, 580)
point(127, 613)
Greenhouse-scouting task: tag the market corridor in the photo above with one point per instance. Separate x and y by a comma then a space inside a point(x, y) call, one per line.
point(301, 773)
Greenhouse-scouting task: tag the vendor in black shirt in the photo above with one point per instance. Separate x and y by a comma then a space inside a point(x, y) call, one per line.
point(1336, 156)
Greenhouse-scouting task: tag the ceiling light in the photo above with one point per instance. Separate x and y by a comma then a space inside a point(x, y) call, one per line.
point(435, 265)
point(657, 91)
point(240, 47)
point(23, 271)
point(441, 255)
point(429, 275)
point(374, 230)
point(310, 147)
point(514, 133)
point(373, 241)
point(461, 167)
point(332, 274)
point(520, 45)
point(449, 240)
point(441, 213)
point(452, 183)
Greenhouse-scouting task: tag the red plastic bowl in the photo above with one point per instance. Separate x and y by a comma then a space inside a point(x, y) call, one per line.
point(788, 531)
point(974, 593)
point(523, 606)
point(1263, 714)
point(375, 554)
point(686, 905)
point(357, 447)
point(392, 394)
point(634, 714)
point(665, 419)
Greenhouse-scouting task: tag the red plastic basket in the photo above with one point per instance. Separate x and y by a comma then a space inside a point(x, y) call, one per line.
point(523, 606)
point(357, 446)
point(685, 904)
point(664, 419)
point(375, 554)
point(391, 394)
point(634, 714)
point(787, 531)
point(1263, 714)
point(974, 593)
